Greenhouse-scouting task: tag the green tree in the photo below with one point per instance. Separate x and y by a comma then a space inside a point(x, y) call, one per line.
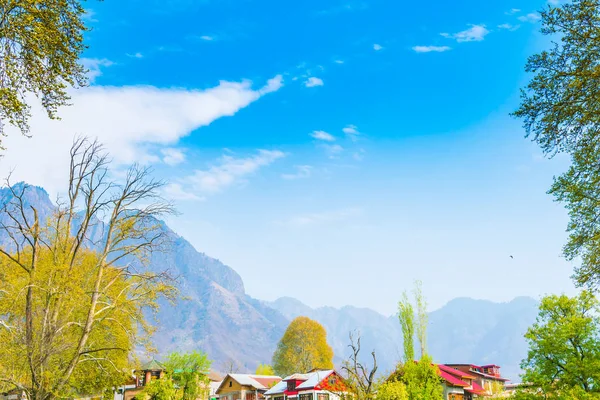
point(189, 372)
point(302, 348)
point(264, 369)
point(420, 378)
point(71, 316)
point(406, 315)
point(564, 348)
point(160, 389)
point(40, 45)
point(422, 318)
point(393, 390)
point(560, 109)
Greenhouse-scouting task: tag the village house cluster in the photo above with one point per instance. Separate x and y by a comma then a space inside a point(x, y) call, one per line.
point(459, 381)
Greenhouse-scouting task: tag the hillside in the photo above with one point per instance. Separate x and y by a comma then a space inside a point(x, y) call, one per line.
point(217, 316)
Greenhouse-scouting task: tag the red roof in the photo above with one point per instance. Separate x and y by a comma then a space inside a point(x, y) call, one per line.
point(455, 372)
point(451, 379)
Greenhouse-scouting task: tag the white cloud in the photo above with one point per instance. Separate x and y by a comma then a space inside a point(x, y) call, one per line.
point(94, 66)
point(88, 15)
point(207, 38)
point(332, 150)
point(322, 135)
point(509, 27)
point(172, 156)
point(313, 81)
point(531, 17)
point(338, 61)
point(475, 33)
point(320, 218)
point(429, 49)
point(351, 131)
point(513, 11)
point(230, 170)
point(302, 171)
point(377, 47)
point(131, 121)
point(175, 191)
point(136, 55)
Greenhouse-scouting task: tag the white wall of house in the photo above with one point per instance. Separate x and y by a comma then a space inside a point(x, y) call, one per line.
point(314, 395)
point(452, 389)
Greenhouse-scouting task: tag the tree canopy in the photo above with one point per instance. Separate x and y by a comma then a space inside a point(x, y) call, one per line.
point(73, 303)
point(560, 109)
point(189, 372)
point(40, 46)
point(564, 348)
point(264, 369)
point(302, 348)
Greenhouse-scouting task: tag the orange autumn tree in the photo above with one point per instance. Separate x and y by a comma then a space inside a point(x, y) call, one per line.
point(302, 348)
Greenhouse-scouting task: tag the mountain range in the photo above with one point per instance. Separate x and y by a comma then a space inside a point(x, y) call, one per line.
point(238, 332)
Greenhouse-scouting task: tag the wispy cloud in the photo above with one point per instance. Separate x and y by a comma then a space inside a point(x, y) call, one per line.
point(377, 47)
point(332, 150)
point(230, 170)
point(359, 155)
point(88, 15)
point(326, 217)
point(509, 27)
point(351, 131)
point(175, 191)
point(135, 55)
point(338, 61)
point(475, 33)
point(207, 38)
point(322, 135)
point(133, 123)
point(94, 66)
point(313, 81)
point(172, 156)
point(346, 6)
point(429, 49)
point(531, 17)
point(302, 171)
point(513, 11)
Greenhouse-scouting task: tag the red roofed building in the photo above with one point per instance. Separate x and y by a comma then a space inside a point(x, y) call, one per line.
point(468, 381)
point(314, 385)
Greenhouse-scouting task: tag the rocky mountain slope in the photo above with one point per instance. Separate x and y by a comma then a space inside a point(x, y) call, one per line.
point(236, 330)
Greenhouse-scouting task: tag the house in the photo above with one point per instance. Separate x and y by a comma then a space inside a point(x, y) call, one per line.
point(214, 381)
point(468, 381)
point(314, 385)
point(486, 376)
point(146, 374)
point(245, 386)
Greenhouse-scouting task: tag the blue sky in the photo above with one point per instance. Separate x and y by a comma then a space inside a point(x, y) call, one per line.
point(333, 151)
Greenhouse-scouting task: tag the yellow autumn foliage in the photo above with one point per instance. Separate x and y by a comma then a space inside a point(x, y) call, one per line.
point(302, 348)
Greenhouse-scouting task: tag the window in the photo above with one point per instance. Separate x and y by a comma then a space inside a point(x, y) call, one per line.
point(291, 386)
point(230, 383)
point(278, 398)
point(323, 396)
point(308, 396)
